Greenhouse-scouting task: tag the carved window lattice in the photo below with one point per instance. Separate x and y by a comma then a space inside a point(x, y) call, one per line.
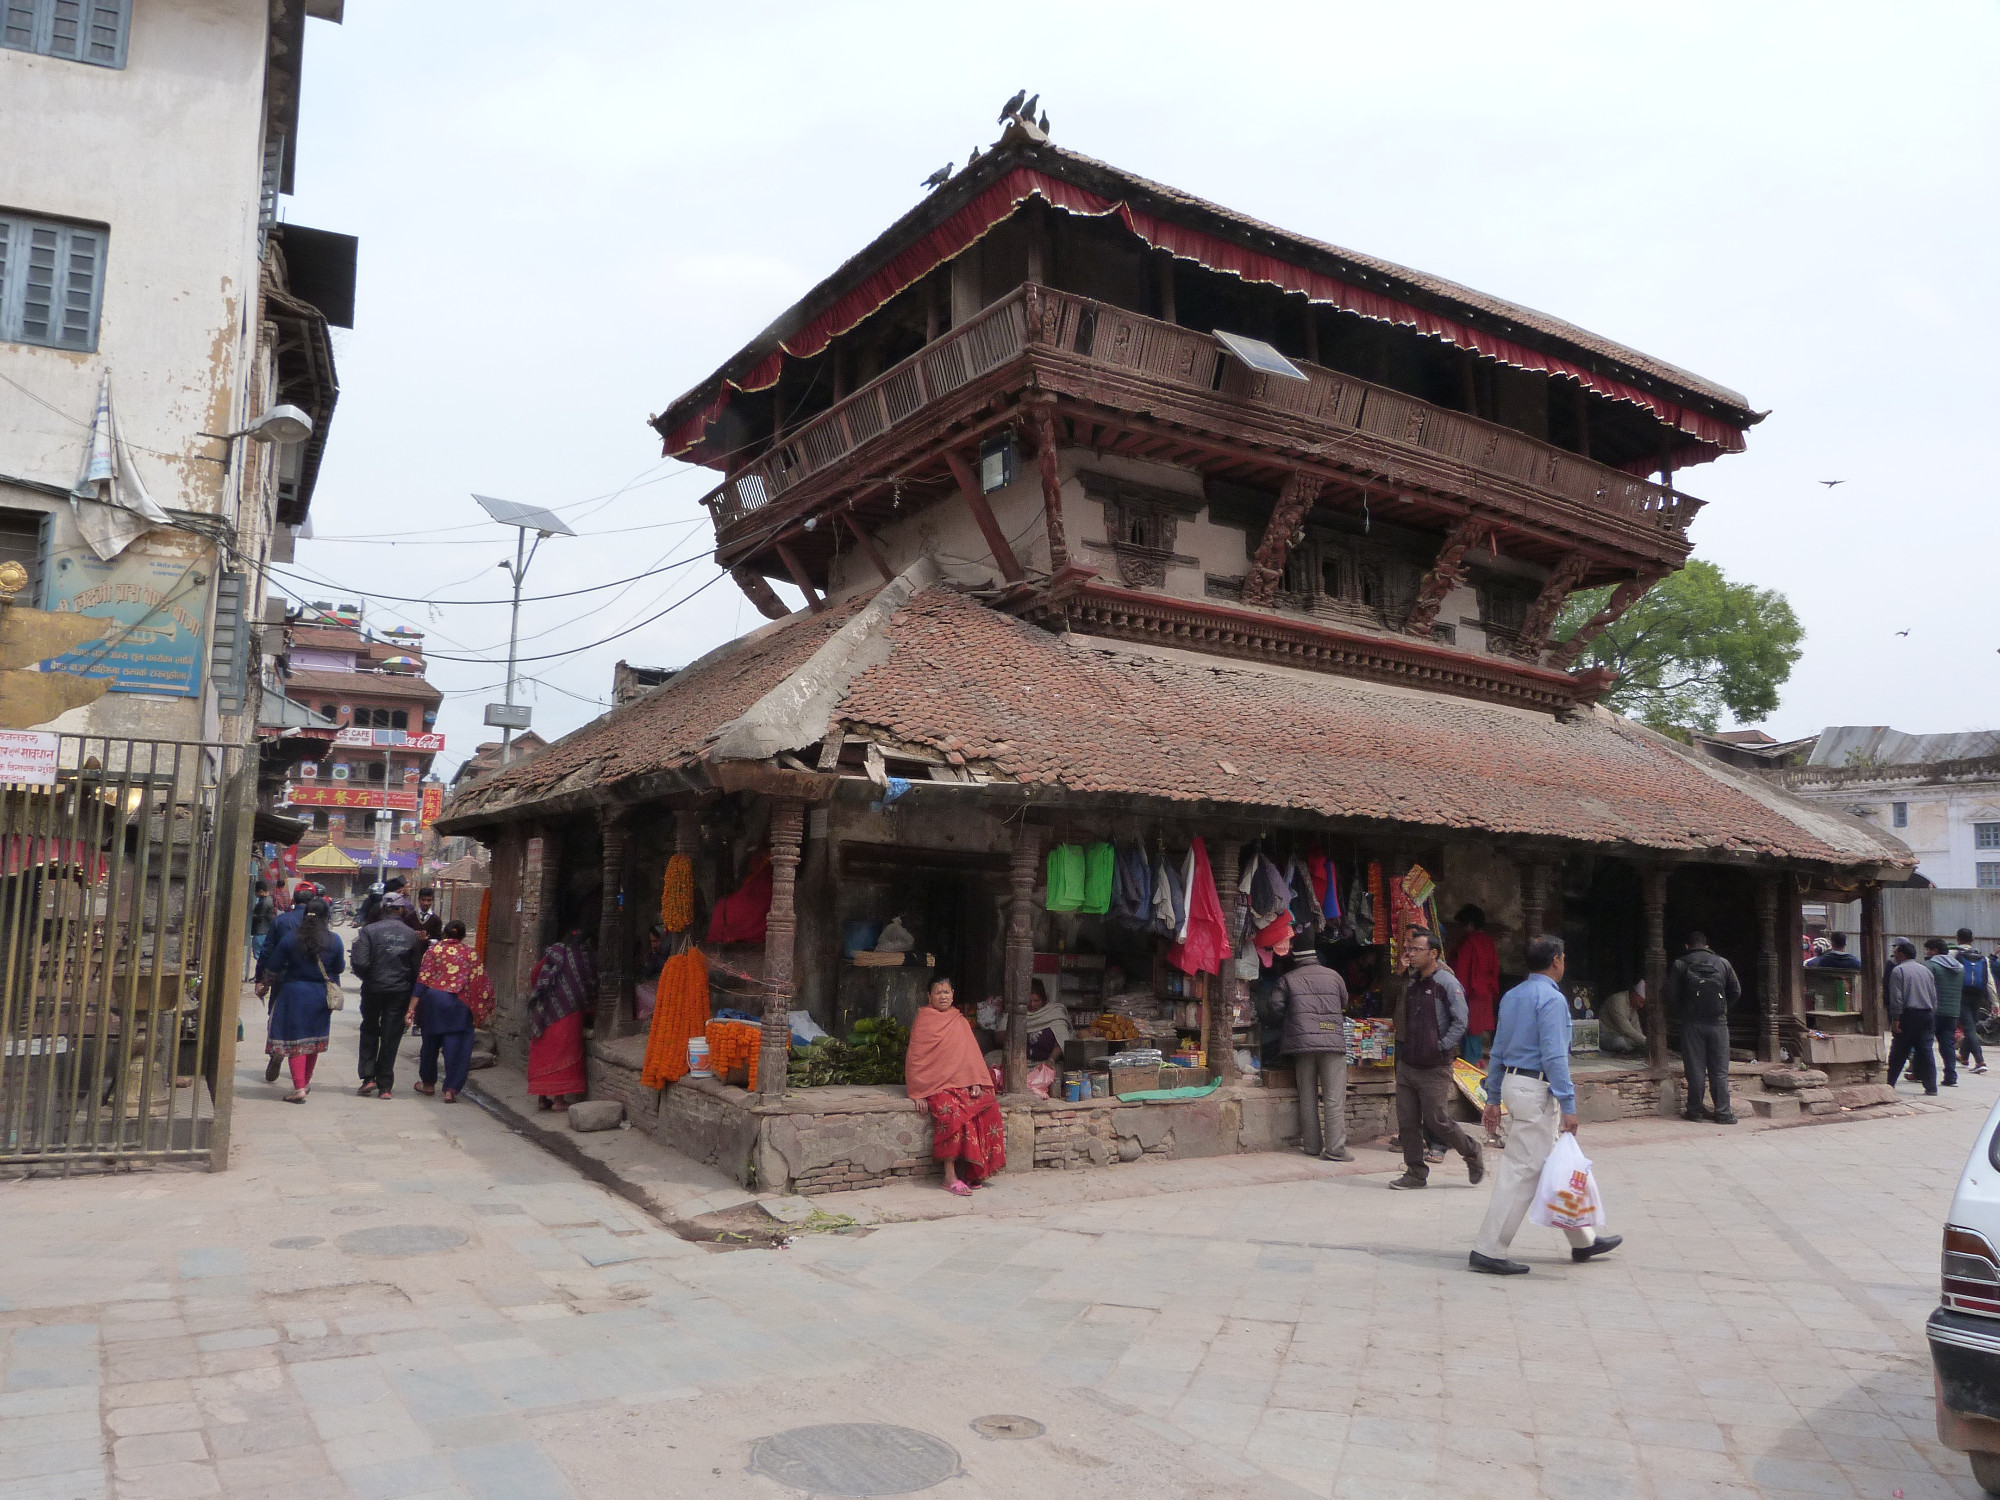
point(1503, 610)
point(1140, 526)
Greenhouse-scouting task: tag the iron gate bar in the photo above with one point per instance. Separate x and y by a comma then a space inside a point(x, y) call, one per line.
point(135, 837)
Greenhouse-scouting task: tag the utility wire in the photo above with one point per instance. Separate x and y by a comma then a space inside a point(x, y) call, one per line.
point(605, 641)
point(525, 599)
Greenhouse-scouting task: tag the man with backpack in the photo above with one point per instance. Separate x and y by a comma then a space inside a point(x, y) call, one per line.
point(1949, 976)
point(1978, 1001)
point(1703, 984)
point(1430, 1021)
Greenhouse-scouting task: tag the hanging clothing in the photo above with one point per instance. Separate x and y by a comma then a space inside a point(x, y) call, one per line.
point(1169, 898)
point(562, 987)
point(1205, 943)
point(1318, 870)
point(1185, 892)
point(740, 916)
point(1132, 887)
point(1098, 874)
point(1278, 930)
point(1304, 905)
point(1066, 878)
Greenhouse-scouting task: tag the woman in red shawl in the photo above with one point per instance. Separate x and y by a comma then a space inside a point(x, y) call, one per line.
point(1476, 962)
point(945, 1070)
point(452, 997)
point(562, 991)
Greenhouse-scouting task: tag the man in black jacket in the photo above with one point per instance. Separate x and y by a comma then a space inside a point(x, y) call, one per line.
point(1430, 1023)
point(385, 959)
point(1703, 985)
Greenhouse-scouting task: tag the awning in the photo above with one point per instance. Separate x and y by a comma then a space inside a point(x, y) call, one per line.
point(998, 203)
point(327, 857)
point(268, 827)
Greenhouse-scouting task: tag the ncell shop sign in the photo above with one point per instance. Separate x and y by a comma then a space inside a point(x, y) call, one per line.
point(158, 607)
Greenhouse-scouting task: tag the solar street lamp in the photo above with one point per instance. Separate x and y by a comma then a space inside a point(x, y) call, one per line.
point(507, 716)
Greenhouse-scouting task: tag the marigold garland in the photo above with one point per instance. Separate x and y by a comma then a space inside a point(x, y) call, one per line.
point(677, 895)
point(680, 1012)
point(485, 916)
point(732, 1044)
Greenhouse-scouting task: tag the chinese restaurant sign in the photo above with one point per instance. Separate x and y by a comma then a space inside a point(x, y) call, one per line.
point(433, 804)
point(352, 796)
point(160, 605)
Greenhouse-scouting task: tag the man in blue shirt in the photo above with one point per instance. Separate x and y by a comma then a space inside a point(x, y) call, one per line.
point(1529, 1072)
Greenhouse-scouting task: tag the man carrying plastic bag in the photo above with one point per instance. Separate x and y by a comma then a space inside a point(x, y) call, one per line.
point(1528, 1071)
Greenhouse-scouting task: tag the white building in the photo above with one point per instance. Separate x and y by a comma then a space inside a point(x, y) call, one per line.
point(147, 147)
point(1938, 793)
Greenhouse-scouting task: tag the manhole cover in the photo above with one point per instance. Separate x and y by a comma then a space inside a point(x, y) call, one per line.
point(401, 1239)
point(1008, 1427)
point(299, 1242)
point(356, 1210)
point(854, 1459)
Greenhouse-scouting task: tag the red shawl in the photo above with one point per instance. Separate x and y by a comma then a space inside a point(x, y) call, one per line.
point(943, 1054)
point(455, 968)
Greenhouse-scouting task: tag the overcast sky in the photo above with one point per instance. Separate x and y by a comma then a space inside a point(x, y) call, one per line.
point(569, 214)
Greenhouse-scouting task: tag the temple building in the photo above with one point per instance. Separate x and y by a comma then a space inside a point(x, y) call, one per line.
point(1125, 524)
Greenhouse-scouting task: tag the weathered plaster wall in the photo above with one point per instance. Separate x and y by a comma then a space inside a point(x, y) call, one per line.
point(166, 152)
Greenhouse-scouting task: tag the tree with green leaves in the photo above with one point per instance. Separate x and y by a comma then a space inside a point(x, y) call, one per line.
point(1693, 647)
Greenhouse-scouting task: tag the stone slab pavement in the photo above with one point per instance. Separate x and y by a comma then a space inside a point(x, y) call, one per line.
point(402, 1299)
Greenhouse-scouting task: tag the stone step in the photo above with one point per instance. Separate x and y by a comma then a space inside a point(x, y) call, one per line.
point(1776, 1106)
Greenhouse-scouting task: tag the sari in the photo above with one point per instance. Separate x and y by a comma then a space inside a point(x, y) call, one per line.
point(563, 986)
point(942, 1069)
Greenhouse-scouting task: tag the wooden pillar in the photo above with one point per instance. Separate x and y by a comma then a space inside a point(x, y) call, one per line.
point(1219, 1016)
point(1768, 973)
point(1791, 939)
point(1653, 898)
point(1874, 959)
point(1534, 902)
point(780, 934)
point(1020, 971)
point(1045, 459)
point(612, 944)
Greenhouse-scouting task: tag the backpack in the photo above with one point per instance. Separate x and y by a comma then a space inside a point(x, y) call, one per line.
point(1708, 998)
point(1974, 964)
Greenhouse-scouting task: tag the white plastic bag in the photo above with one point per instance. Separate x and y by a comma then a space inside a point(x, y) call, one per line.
point(1567, 1197)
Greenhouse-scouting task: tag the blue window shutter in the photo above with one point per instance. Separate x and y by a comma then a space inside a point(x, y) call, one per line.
point(87, 31)
point(83, 285)
point(51, 282)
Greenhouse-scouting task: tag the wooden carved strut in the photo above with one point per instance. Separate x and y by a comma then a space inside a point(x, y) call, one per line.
point(1627, 594)
point(1446, 574)
point(1541, 618)
point(1294, 500)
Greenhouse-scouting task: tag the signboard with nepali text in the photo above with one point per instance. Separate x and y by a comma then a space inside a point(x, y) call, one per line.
point(27, 757)
point(352, 796)
point(160, 607)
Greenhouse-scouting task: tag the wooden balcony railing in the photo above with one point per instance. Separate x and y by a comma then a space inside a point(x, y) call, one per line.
point(1115, 339)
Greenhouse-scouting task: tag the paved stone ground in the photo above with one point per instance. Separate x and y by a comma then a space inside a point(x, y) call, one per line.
point(408, 1299)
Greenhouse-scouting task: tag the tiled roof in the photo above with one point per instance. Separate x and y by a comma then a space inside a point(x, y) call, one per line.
point(670, 725)
point(1022, 705)
point(363, 685)
point(326, 638)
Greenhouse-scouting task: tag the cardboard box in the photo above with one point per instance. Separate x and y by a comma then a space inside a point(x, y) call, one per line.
point(1845, 1049)
point(1134, 1081)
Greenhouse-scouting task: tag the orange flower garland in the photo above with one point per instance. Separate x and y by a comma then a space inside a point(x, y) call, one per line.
point(677, 895)
point(733, 1044)
point(680, 1012)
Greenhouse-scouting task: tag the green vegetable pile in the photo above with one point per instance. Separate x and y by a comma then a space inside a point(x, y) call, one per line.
point(872, 1053)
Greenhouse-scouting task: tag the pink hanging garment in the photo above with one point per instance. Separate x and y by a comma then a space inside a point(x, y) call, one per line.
point(1206, 943)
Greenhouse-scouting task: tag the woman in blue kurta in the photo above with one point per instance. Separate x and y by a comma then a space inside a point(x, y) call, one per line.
point(308, 958)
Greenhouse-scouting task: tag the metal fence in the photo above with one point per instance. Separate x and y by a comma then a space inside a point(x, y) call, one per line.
point(116, 881)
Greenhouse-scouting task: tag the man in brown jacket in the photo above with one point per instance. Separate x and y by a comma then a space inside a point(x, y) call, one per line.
point(1430, 1021)
point(1315, 1003)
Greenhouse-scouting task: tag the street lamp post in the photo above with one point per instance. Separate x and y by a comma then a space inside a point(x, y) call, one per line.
point(524, 518)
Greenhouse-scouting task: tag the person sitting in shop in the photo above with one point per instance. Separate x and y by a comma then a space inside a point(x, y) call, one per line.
point(1048, 1024)
point(945, 1072)
point(1618, 1030)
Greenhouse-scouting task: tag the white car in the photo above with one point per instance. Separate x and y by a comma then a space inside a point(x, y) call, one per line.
point(1965, 1330)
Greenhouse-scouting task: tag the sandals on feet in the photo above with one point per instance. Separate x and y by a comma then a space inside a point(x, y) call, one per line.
point(367, 1088)
point(296, 1096)
point(958, 1189)
point(450, 1097)
point(427, 1088)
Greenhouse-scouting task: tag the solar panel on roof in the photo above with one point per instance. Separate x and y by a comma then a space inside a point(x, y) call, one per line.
point(1259, 356)
point(527, 517)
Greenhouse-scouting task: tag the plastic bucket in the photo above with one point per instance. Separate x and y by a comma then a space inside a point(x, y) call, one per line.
point(698, 1057)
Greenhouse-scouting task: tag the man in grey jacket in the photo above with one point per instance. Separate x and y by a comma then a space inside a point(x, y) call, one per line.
point(385, 959)
point(1910, 998)
point(1430, 1022)
point(1314, 1002)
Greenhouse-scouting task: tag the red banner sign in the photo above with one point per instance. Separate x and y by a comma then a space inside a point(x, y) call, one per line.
point(341, 796)
point(433, 804)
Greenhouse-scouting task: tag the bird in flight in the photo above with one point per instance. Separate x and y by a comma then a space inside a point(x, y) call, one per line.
point(938, 178)
point(1902, 632)
point(1830, 483)
point(1012, 107)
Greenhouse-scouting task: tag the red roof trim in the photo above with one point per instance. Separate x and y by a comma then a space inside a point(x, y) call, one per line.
point(998, 203)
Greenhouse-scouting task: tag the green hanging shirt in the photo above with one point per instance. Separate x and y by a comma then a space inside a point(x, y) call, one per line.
point(1099, 865)
point(1066, 877)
